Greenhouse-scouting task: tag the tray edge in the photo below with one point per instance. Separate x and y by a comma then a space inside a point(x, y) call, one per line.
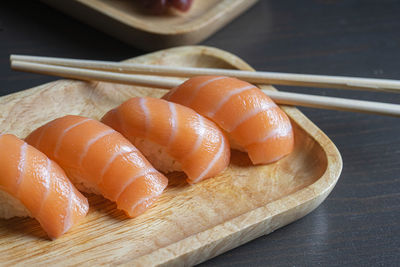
point(142, 38)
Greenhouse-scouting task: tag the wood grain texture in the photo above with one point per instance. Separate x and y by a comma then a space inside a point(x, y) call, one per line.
point(127, 21)
point(357, 225)
point(189, 224)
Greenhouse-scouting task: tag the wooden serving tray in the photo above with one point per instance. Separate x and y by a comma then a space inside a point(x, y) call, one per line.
point(126, 21)
point(189, 224)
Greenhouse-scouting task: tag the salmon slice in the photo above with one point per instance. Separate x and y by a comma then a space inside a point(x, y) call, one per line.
point(100, 160)
point(172, 137)
point(33, 185)
point(253, 122)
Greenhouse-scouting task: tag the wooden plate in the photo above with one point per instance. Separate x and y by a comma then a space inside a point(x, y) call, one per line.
point(189, 224)
point(124, 20)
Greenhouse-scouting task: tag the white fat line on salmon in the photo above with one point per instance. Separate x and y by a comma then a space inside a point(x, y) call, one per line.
point(253, 112)
point(79, 206)
point(200, 131)
point(91, 142)
point(283, 129)
point(227, 97)
point(60, 138)
point(171, 92)
point(21, 165)
point(279, 131)
point(133, 179)
point(117, 120)
point(39, 139)
point(214, 160)
point(68, 218)
point(47, 171)
point(146, 112)
point(198, 87)
point(123, 150)
point(122, 128)
point(144, 199)
point(173, 121)
point(271, 134)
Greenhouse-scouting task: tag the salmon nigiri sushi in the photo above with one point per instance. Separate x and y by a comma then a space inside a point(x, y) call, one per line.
point(33, 185)
point(172, 137)
point(100, 160)
point(253, 122)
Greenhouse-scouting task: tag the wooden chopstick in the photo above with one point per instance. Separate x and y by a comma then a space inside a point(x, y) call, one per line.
point(258, 77)
point(168, 83)
point(94, 75)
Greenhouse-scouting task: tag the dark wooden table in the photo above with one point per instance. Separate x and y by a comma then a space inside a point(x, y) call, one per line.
point(359, 223)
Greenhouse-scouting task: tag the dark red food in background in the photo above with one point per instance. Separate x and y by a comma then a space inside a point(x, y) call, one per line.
point(162, 6)
point(182, 5)
point(155, 6)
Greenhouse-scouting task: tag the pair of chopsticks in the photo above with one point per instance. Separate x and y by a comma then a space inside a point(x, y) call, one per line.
point(138, 74)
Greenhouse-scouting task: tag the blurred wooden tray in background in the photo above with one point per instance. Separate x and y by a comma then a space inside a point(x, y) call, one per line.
point(126, 21)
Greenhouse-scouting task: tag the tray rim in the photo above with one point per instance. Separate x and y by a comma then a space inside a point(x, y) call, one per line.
point(255, 222)
point(193, 25)
point(151, 39)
